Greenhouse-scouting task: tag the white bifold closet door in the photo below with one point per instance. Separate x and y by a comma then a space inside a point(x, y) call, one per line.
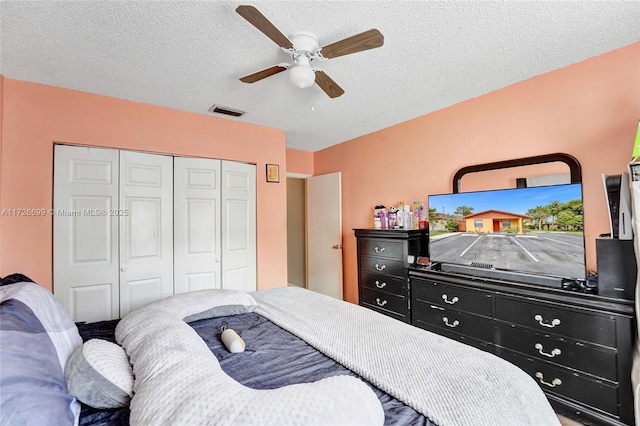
point(197, 240)
point(215, 225)
point(146, 229)
point(113, 230)
point(239, 226)
point(85, 241)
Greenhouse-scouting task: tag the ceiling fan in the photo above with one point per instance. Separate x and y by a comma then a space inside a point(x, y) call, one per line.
point(303, 47)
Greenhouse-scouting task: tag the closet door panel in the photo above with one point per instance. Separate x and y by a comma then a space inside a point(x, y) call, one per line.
point(144, 223)
point(239, 226)
point(137, 293)
point(197, 238)
point(146, 229)
point(85, 233)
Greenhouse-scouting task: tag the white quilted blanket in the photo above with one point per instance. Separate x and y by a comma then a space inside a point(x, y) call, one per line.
point(178, 381)
point(447, 381)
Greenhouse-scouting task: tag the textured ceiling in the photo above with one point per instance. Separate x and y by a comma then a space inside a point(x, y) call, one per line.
point(189, 55)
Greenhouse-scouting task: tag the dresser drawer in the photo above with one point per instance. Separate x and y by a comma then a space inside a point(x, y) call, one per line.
point(597, 361)
point(387, 284)
point(453, 321)
point(381, 266)
point(394, 315)
point(556, 320)
point(446, 295)
point(480, 344)
point(384, 301)
point(381, 248)
point(566, 383)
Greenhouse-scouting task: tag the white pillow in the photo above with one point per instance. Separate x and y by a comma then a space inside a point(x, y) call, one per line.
point(99, 374)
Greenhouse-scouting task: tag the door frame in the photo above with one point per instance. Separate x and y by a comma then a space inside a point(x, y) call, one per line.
point(305, 176)
point(300, 176)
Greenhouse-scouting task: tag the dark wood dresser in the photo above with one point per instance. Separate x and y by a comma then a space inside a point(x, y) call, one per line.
point(383, 268)
point(578, 347)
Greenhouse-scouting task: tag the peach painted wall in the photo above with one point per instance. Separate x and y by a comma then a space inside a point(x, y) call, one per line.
point(299, 161)
point(35, 116)
point(589, 110)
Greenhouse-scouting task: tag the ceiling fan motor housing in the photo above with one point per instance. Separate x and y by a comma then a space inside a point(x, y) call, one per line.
point(305, 46)
point(304, 41)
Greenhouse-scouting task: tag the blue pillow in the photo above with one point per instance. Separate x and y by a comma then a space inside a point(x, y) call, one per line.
point(37, 337)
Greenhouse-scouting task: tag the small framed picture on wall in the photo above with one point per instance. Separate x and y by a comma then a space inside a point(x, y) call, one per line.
point(273, 173)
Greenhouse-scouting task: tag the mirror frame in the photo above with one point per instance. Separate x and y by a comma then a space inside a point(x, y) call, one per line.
point(572, 162)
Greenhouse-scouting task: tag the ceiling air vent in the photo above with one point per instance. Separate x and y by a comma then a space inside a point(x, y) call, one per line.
point(219, 109)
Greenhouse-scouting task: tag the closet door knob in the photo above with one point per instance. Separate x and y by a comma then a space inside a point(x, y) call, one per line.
point(123, 269)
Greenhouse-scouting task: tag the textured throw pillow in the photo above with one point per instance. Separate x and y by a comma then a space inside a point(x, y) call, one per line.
point(99, 375)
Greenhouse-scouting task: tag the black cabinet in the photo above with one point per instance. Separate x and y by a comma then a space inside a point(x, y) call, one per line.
point(383, 268)
point(577, 347)
point(456, 312)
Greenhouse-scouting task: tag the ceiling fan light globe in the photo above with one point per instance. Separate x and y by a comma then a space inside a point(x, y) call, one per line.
point(302, 76)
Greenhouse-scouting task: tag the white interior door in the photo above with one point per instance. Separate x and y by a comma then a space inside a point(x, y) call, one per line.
point(238, 226)
point(85, 234)
point(196, 226)
point(324, 234)
point(146, 229)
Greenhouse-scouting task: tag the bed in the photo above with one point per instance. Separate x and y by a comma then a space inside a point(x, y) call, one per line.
point(309, 359)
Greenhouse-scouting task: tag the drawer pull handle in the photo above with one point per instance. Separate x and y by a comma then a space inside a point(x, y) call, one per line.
point(381, 284)
point(380, 268)
point(555, 352)
point(379, 249)
point(380, 303)
point(455, 323)
point(554, 322)
point(553, 384)
point(452, 301)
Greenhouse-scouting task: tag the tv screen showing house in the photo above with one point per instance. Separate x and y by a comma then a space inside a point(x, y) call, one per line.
point(535, 230)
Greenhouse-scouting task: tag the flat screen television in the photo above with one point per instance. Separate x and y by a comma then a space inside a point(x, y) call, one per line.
point(533, 235)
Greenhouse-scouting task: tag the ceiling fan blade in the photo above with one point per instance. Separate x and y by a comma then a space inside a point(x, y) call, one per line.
point(258, 20)
point(257, 76)
point(328, 85)
point(357, 43)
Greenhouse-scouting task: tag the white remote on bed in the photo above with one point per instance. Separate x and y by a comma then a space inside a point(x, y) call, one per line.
point(232, 341)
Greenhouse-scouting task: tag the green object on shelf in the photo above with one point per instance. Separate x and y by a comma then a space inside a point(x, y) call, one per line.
point(636, 145)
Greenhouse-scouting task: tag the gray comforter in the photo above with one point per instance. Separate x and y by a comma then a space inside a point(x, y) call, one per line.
point(449, 382)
